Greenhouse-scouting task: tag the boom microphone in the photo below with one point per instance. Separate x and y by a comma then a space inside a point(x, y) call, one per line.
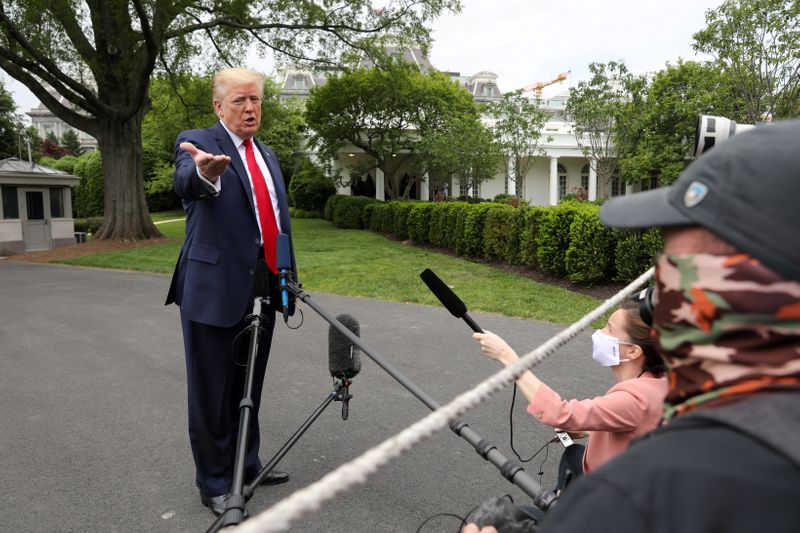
point(448, 298)
point(344, 361)
point(283, 263)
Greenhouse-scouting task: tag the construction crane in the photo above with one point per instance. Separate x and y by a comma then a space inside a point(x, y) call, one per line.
point(539, 85)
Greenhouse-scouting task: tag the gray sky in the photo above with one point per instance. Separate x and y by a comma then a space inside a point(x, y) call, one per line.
point(526, 41)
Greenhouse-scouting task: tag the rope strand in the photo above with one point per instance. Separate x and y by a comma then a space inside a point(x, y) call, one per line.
point(280, 516)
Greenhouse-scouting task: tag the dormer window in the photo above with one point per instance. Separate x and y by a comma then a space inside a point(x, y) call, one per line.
point(299, 82)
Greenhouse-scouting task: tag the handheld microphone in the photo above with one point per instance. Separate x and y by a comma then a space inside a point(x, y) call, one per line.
point(284, 265)
point(448, 298)
point(344, 360)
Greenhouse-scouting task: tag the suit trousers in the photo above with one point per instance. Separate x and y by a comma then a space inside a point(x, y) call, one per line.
point(216, 359)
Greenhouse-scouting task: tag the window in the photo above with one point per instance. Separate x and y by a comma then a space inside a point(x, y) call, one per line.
point(562, 181)
point(650, 184)
point(35, 203)
point(299, 82)
point(10, 205)
point(617, 186)
point(57, 203)
point(585, 177)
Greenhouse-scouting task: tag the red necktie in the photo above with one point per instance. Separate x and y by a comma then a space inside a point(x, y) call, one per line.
point(266, 215)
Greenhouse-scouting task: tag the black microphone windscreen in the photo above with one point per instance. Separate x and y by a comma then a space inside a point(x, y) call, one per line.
point(283, 257)
point(448, 298)
point(344, 360)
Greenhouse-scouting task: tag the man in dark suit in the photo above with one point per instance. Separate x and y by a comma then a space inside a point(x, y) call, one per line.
point(235, 202)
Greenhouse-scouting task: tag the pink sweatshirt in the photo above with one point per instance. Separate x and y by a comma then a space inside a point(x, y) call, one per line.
point(629, 409)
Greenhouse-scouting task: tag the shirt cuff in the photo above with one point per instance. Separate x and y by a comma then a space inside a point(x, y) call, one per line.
point(213, 188)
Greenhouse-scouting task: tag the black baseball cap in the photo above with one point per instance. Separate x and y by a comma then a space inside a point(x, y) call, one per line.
point(746, 191)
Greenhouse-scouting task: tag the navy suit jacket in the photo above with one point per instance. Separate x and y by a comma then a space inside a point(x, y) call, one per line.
point(213, 278)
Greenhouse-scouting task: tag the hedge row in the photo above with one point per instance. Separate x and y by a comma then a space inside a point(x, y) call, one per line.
point(567, 240)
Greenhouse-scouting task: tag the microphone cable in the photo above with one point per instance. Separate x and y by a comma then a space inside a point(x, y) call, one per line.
point(462, 519)
point(545, 447)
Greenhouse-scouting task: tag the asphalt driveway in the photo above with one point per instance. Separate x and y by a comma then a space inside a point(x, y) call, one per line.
point(93, 412)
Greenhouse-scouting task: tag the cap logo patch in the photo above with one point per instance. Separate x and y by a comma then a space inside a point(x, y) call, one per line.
point(695, 194)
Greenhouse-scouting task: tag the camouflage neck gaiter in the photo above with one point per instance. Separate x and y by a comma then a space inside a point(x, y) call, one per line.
point(726, 325)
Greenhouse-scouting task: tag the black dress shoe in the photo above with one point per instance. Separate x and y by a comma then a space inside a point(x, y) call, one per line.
point(274, 477)
point(217, 504)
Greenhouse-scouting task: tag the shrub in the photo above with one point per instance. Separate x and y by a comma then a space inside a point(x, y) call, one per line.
point(88, 225)
point(310, 188)
point(512, 239)
point(590, 256)
point(436, 224)
point(401, 210)
point(347, 212)
point(529, 219)
point(330, 204)
point(366, 214)
point(66, 164)
point(89, 192)
point(302, 213)
point(552, 237)
point(636, 252)
point(380, 211)
point(419, 221)
point(158, 189)
point(472, 244)
point(454, 226)
point(498, 229)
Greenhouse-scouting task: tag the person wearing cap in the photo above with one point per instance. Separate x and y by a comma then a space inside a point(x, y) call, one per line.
point(727, 322)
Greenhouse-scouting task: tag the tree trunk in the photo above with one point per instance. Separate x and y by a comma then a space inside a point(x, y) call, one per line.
point(126, 215)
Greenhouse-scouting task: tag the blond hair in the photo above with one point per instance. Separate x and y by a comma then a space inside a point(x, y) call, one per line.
point(229, 77)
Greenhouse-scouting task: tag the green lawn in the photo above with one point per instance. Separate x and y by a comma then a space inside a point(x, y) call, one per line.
point(363, 263)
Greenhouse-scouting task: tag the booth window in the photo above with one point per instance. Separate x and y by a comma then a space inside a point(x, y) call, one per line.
point(57, 203)
point(10, 205)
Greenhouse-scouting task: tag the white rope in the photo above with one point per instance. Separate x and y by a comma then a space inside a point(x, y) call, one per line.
point(281, 515)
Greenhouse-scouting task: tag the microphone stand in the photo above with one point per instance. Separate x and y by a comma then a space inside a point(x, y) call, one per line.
point(240, 493)
point(510, 469)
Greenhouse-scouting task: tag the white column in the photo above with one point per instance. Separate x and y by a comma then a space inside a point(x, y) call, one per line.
point(512, 184)
point(553, 181)
point(424, 195)
point(628, 188)
point(592, 180)
point(380, 194)
point(336, 167)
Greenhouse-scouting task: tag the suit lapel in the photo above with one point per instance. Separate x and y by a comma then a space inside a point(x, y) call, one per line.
point(230, 150)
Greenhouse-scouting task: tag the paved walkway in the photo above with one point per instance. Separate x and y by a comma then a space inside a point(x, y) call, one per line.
point(94, 419)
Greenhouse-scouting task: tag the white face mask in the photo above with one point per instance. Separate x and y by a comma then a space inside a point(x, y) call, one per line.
point(605, 349)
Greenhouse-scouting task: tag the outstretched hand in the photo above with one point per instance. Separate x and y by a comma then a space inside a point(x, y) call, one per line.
point(210, 166)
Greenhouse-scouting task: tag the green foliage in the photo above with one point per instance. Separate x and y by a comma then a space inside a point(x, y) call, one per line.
point(437, 221)
point(375, 109)
point(603, 109)
point(756, 43)
point(552, 237)
point(158, 189)
point(461, 147)
point(400, 221)
point(366, 214)
point(71, 142)
point(667, 122)
point(529, 236)
point(635, 252)
point(347, 213)
point(419, 221)
point(590, 255)
point(302, 213)
point(88, 225)
point(380, 211)
point(89, 192)
point(474, 229)
point(65, 164)
point(512, 251)
point(330, 204)
point(457, 226)
point(310, 188)
point(10, 125)
point(517, 126)
point(498, 229)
